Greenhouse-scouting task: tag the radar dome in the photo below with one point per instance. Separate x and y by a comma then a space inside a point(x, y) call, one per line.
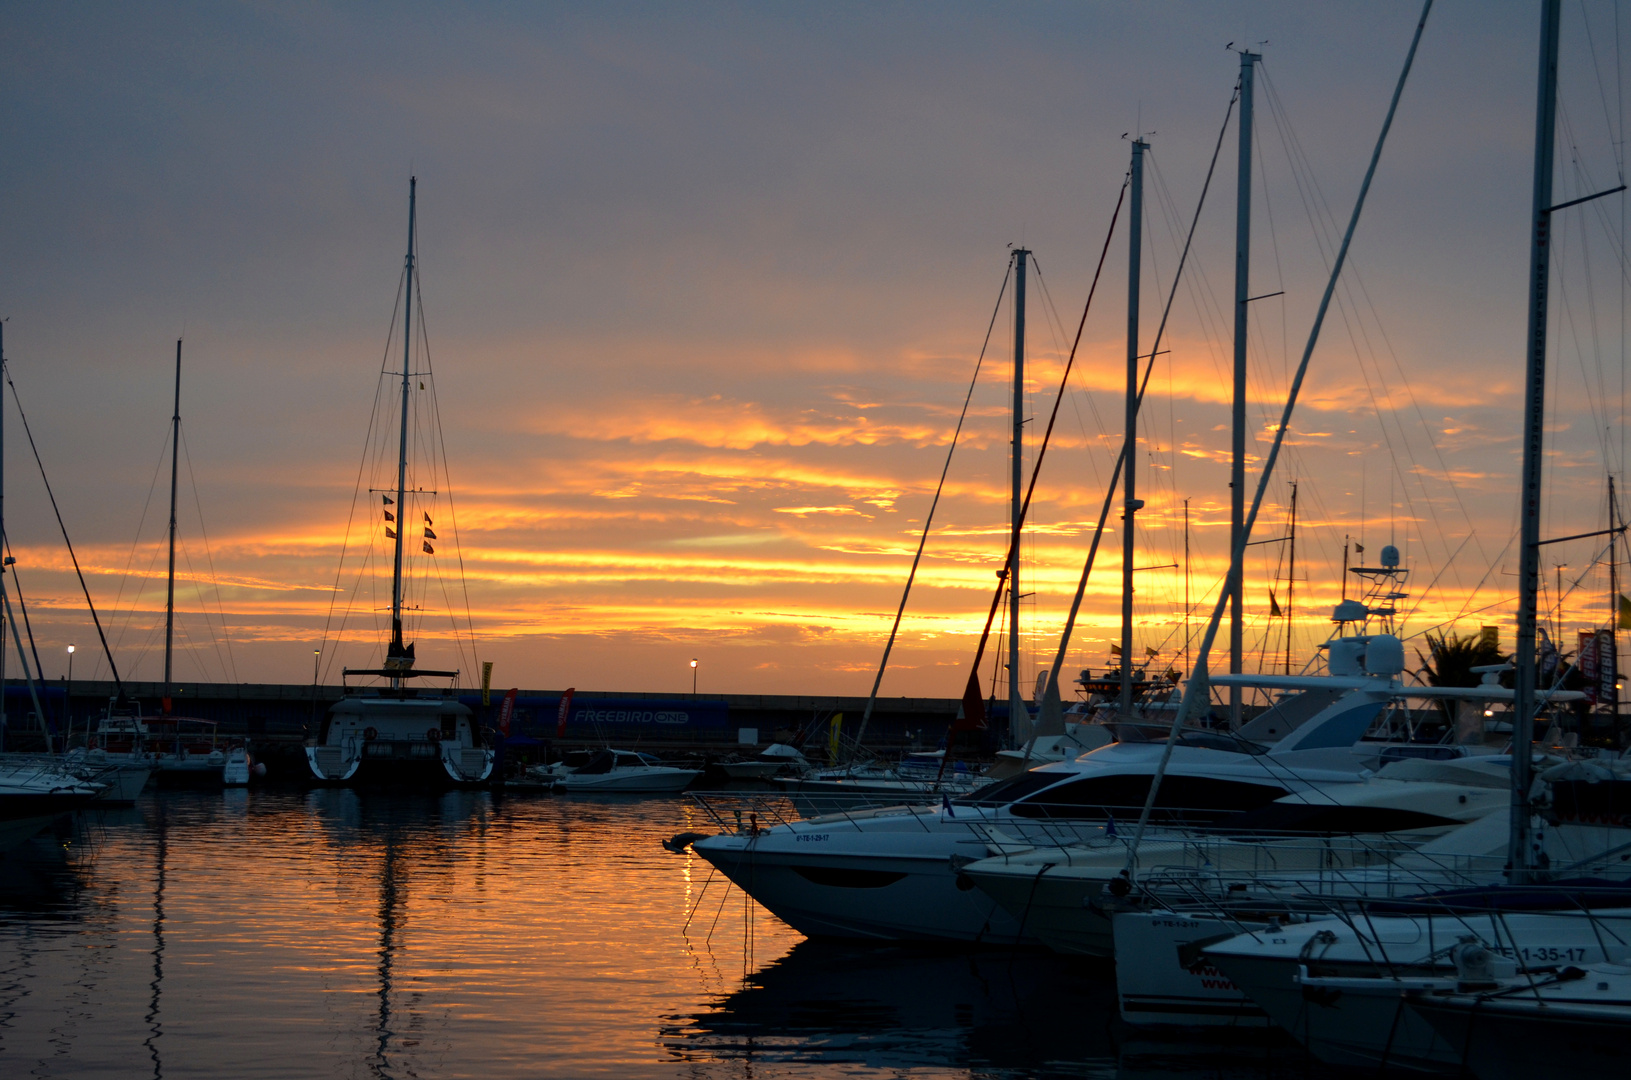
point(1390, 557)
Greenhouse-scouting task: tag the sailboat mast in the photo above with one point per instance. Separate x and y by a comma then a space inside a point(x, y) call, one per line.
point(1186, 587)
point(1520, 858)
point(1130, 504)
point(402, 442)
point(1613, 609)
point(170, 588)
point(1237, 467)
point(2, 528)
point(1016, 704)
point(1291, 577)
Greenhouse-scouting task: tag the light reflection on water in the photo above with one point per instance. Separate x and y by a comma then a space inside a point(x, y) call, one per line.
point(337, 933)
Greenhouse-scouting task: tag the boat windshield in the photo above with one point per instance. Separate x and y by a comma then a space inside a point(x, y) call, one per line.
point(601, 762)
point(1205, 740)
point(1015, 787)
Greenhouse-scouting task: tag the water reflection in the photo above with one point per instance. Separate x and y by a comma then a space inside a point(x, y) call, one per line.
point(161, 829)
point(901, 1008)
point(343, 933)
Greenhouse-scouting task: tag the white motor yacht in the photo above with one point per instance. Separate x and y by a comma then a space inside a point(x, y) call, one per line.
point(1320, 841)
point(895, 874)
point(891, 873)
point(626, 772)
point(777, 759)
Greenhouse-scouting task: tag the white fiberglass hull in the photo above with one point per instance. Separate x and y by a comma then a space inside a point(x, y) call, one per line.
point(1162, 978)
point(893, 882)
point(647, 781)
point(1375, 1030)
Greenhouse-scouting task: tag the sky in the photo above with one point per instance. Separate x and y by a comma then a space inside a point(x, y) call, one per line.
point(704, 287)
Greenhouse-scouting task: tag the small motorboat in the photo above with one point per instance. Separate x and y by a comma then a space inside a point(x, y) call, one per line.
point(777, 759)
point(618, 771)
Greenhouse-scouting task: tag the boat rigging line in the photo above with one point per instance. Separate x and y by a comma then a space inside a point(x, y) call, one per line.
point(103, 638)
point(1051, 703)
point(1197, 686)
point(971, 697)
point(928, 521)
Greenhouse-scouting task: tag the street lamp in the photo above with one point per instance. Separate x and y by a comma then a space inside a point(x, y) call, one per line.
point(693, 676)
point(70, 699)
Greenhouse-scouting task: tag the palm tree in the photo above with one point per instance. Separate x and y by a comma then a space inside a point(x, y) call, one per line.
point(1454, 657)
point(1452, 663)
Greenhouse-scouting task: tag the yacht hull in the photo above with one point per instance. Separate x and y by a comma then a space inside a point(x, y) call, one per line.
point(1378, 1030)
point(655, 781)
point(1164, 981)
point(909, 895)
point(1057, 910)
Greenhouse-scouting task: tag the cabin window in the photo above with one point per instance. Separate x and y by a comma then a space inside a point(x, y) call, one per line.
point(1180, 799)
point(1303, 818)
point(1006, 791)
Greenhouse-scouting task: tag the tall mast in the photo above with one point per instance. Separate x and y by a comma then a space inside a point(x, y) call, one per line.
point(1016, 704)
point(402, 443)
point(1613, 607)
point(1291, 578)
point(1237, 467)
point(170, 589)
point(1519, 857)
point(1186, 587)
point(1131, 505)
point(2, 528)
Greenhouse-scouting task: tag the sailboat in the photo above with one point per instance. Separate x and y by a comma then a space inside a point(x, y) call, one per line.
point(183, 751)
point(397, 734)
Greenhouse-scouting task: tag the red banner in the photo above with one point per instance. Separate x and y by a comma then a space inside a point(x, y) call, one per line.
point(506, 709)
point(560, 717)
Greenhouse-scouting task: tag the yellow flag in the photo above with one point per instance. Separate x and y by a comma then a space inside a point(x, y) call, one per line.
point(1115, 650)
point(486, 682)
point(1625, 613)
point(1274, 606)
point(832, 736)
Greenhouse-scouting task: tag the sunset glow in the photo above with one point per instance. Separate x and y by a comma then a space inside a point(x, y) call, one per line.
point(697, 378)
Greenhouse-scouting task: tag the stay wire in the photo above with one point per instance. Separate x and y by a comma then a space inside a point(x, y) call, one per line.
point(1149, 367)
point(928, 522)
point(1036, 469)
point(22, 608)
point(209, 556)
point(362, 466)
point(55, 510)
point(1198, 680)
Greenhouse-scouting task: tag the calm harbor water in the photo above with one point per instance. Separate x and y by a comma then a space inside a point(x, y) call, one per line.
point(333, 933)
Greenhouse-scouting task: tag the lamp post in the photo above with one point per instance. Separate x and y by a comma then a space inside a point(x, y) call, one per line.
point(693, 676)
point(316, 657)
point(70, 698)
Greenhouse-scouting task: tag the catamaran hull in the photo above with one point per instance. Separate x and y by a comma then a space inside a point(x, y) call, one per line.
point(418, 773)
point(903, 898)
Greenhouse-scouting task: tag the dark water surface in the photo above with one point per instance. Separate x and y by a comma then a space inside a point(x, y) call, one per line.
point(336, 934)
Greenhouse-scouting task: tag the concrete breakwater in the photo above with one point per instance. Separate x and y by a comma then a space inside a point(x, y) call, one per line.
point(276, 719)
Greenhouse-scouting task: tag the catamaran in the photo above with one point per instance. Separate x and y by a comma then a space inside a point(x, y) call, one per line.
point(396, 734)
